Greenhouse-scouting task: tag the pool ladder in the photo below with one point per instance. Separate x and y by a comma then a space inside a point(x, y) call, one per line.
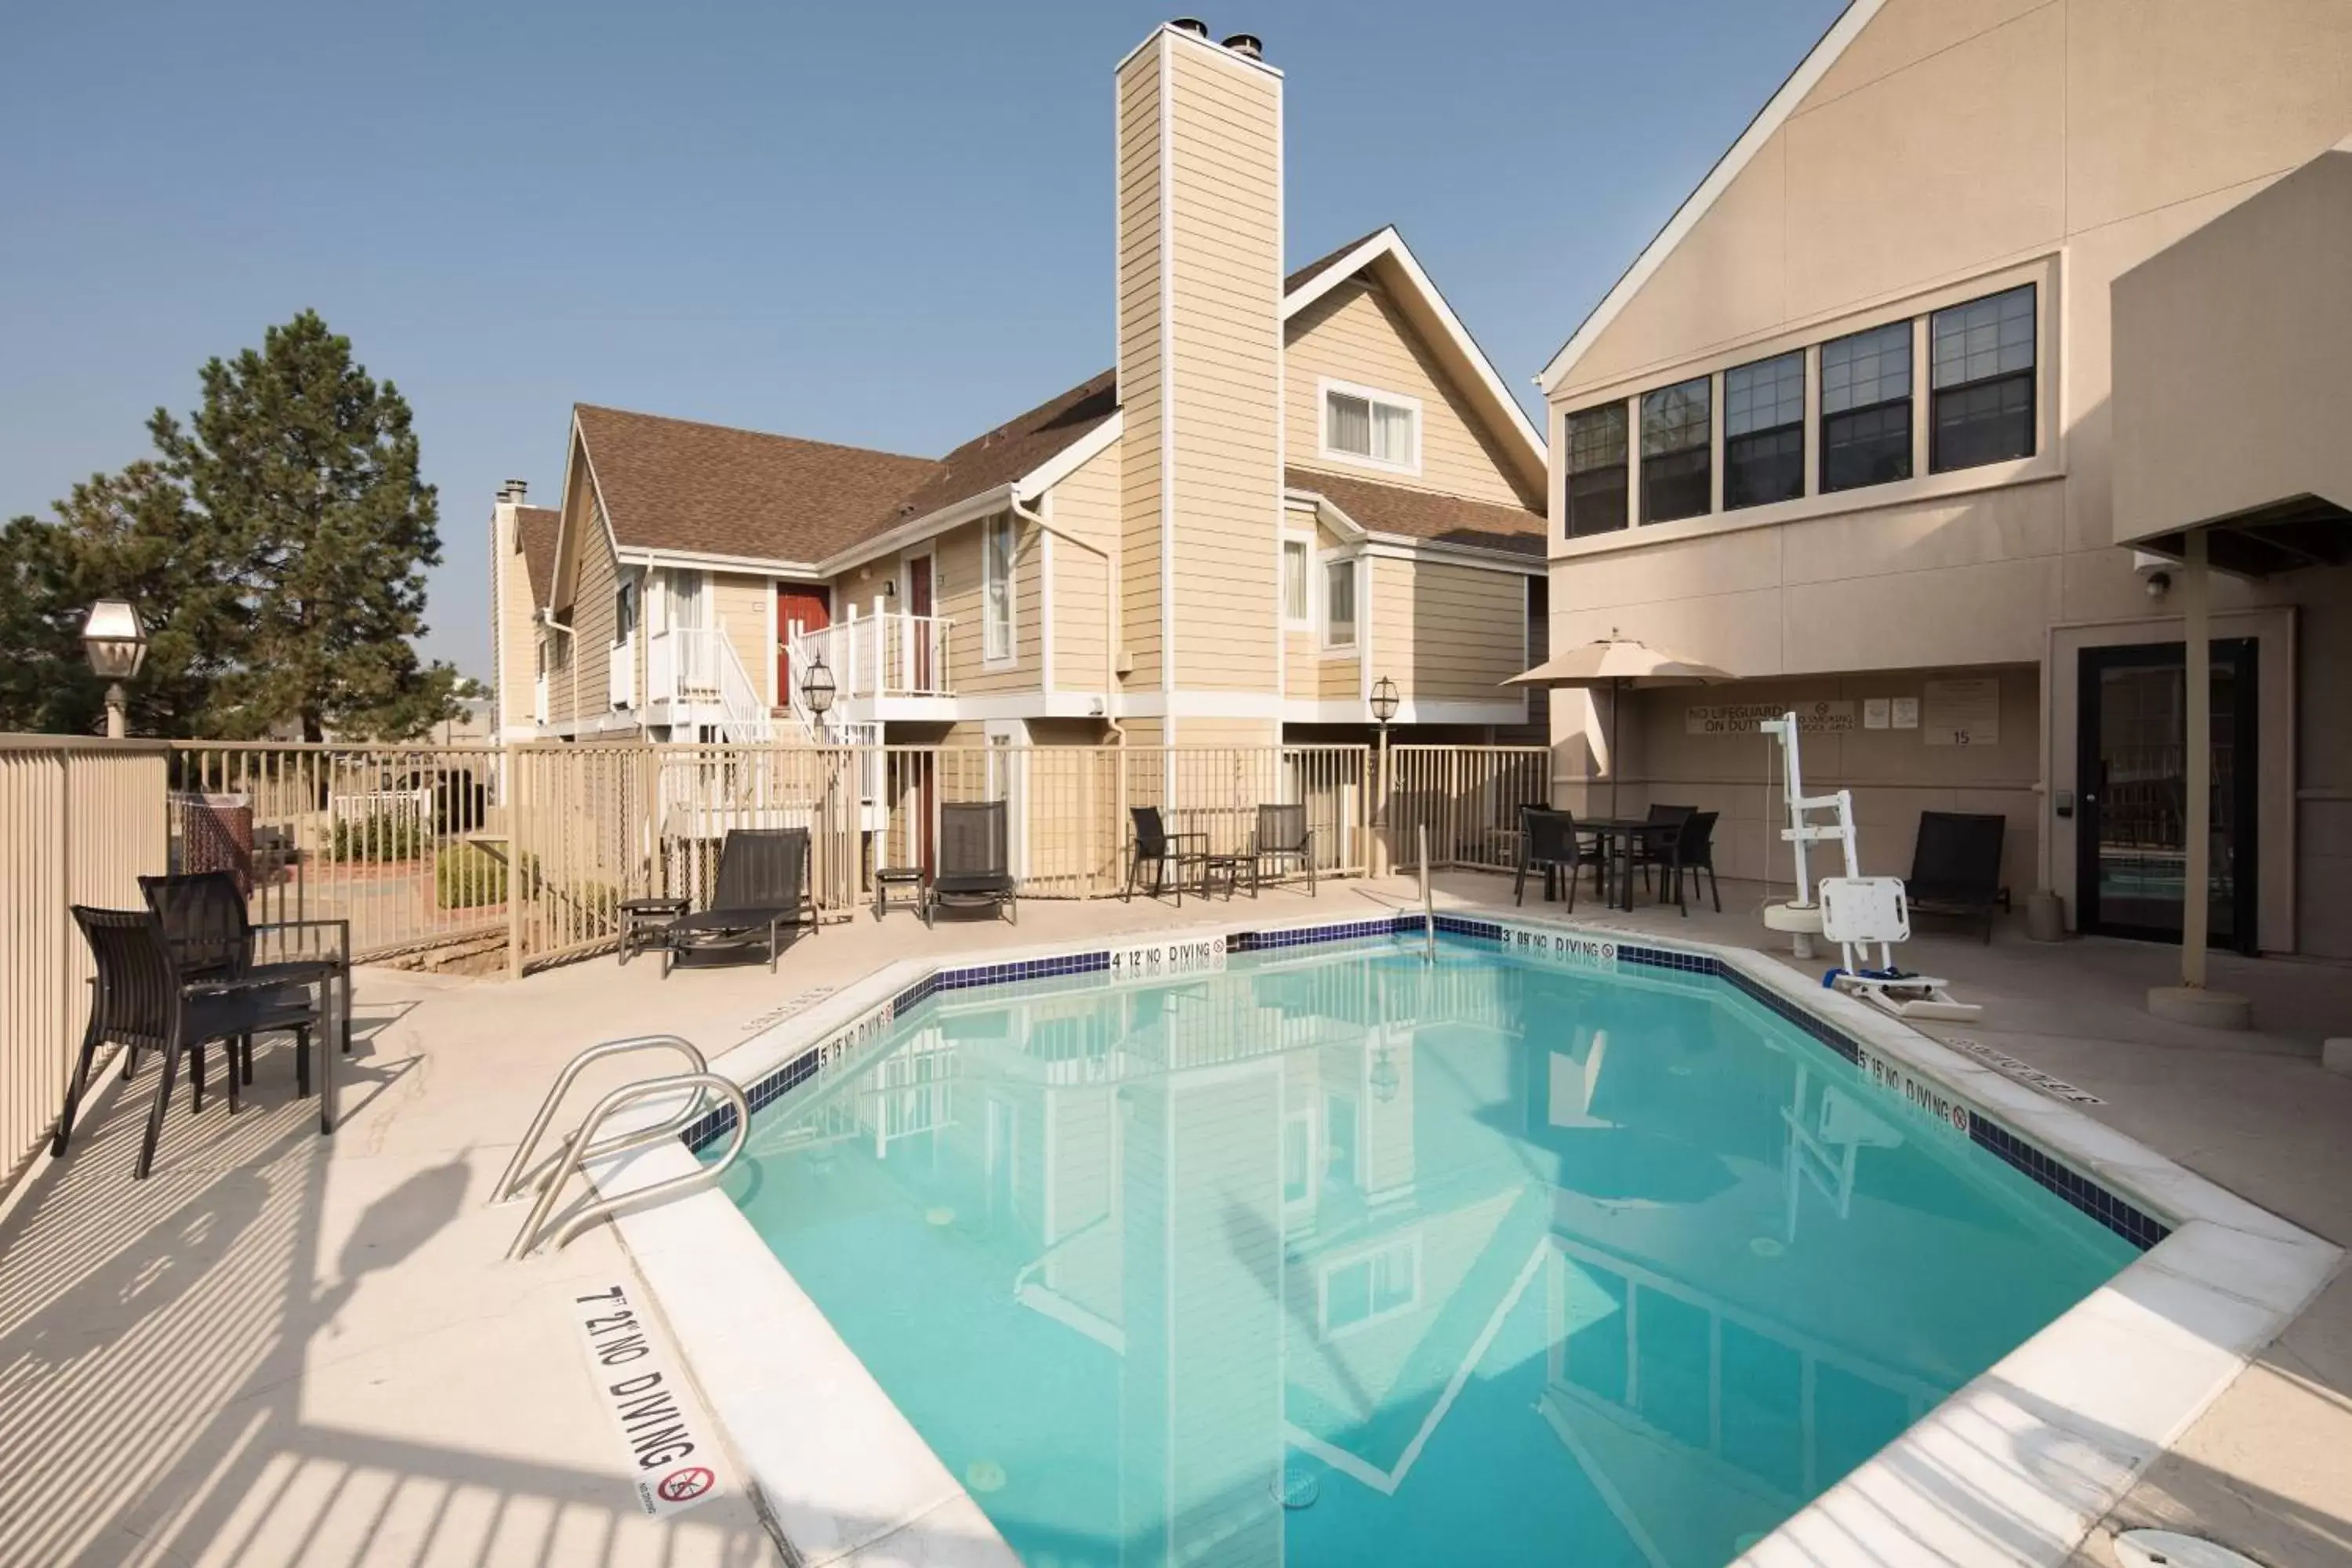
point(697, 1087)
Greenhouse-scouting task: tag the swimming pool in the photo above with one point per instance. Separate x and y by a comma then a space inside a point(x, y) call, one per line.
point(1321, 1253)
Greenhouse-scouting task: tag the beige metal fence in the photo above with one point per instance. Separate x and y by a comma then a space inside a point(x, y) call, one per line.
point(80, 822)
point(407, 843)
point(1469, 799)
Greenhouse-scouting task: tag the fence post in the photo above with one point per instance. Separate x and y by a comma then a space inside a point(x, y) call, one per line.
point(514, 861)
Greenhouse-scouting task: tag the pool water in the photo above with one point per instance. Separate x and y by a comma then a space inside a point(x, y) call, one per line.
point(1345, 1259)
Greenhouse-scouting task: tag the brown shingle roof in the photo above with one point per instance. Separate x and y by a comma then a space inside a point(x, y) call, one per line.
point(1419, 514)
point(535, 530)
point(1320, 262)
point(672, 484)
point(1015, 448)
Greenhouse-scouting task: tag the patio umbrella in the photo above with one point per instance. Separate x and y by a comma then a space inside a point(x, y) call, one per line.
point(1619, 664)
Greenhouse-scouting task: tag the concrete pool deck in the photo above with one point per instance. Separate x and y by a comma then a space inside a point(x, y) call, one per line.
point(289, 1350)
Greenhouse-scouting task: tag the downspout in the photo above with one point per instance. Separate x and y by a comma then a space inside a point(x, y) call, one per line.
point(1111, 608)
point(547, 619)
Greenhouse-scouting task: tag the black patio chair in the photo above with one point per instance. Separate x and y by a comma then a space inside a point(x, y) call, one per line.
point(1657, 850)
point(760, 893)
point(1283, 837)
point(144, 999)
point(1156, 846)
point(975, 861)
point(212, 936)
point(1955, 867)
point(1695, 852)
point(1549, 842)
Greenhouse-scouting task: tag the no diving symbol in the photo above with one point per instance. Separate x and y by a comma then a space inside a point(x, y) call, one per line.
point(685, 1485)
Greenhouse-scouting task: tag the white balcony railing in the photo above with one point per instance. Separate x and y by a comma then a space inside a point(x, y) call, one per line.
point(886, 655)
point(699, 664)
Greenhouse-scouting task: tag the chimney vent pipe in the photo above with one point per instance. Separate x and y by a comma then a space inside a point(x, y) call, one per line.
point(1247, 44)
point(1192, 25)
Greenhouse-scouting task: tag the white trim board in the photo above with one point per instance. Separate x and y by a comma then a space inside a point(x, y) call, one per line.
point(1697, 205)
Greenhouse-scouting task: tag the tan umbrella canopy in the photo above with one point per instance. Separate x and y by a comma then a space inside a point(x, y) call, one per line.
point(1619, 664)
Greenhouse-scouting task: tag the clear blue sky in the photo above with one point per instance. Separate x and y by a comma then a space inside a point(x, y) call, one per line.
point(881, 223)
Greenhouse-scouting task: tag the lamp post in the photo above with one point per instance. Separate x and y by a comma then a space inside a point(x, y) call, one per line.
point(116, 645)
point(1384, 708)
point(817, 687)
point(816, 693)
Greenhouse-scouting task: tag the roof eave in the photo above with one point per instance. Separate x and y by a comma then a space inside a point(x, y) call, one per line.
point(1769, 120)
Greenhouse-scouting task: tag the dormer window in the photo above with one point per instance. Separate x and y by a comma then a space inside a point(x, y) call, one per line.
point(1377, 429)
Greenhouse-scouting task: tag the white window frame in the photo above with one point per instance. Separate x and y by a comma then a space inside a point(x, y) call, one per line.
point(1326, 386)
point(1323, 567)
point(1304, 620)
point(1408, 1242)
point(990, 656)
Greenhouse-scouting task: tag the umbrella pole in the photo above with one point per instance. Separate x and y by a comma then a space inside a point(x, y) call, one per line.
point(1616, 703)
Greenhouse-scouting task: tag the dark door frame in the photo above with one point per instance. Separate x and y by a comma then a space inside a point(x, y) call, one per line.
point(2241, 655)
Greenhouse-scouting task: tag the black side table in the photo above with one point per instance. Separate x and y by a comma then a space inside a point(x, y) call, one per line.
point(907, 877)
point(643, 921)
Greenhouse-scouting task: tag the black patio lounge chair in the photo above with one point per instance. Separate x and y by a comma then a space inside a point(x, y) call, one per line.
point(213, 937)
point(1155, 847)
point(762, 893)
point(1955, 867)
point(975, 863)
point(1284, 839)
point(144, 999)
point(1548, 841)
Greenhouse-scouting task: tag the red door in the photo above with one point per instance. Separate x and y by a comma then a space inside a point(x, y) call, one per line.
point(812, 608)
point(918, 604)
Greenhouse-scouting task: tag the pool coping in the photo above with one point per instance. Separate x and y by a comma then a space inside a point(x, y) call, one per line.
point(2015, 1467)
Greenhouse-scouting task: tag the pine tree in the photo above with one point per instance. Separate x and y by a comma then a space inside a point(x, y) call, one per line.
point(306, 471)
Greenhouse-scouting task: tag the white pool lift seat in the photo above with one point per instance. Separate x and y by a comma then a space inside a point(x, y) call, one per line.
point(1862, 912)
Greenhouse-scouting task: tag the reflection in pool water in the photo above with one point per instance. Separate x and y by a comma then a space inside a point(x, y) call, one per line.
point(1486, 1261)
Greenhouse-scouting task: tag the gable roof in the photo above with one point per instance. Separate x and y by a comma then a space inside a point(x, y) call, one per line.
point(1385, 254)
point(1728, 168)
point(1016, 448)
point(710, 489)
point(1426, 515)
point(683, 487)
point(535, 533)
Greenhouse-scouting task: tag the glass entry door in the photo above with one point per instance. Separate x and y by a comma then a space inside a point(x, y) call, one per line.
point(2130, 836)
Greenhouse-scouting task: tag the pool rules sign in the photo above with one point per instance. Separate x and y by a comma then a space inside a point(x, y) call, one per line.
point(672, 1457)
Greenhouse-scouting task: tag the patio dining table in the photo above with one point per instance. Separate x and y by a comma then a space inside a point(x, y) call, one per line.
point(1619, 837)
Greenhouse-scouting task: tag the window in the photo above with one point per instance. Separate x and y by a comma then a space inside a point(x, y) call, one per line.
point(1764, 432)
point(624, 612)
point(1295, 565)
point(1596, 470)
point(1339, 605)
point(1371, 427)
point(996, 585)
point(1676, 482)
point(1372, 1286)
point(686, 600)
point(1980, 364)
point(1866, 408)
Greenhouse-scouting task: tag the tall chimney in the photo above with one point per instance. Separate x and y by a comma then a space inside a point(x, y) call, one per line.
point(1200, 370)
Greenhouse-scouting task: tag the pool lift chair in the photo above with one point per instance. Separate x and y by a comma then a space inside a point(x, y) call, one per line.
point(1855, 911)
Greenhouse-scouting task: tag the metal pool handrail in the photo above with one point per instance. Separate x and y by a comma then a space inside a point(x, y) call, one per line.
point(1428, 899)
point(511, 1178)
point(575, 1153)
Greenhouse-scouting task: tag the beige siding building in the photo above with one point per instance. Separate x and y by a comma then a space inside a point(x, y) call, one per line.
point(1290, 486)
point(1990, 293)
